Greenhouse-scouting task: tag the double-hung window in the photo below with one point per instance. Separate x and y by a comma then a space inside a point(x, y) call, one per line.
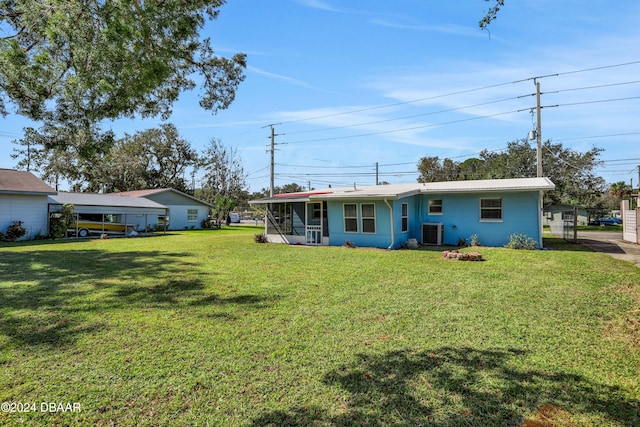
point(350, 218)
point(192, 214)
point(491, 210)
point(405, 217)
point(368, 217)
point(435, 206)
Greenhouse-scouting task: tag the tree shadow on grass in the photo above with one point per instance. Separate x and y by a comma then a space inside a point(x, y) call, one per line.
point(457, 386)
point(45, 295)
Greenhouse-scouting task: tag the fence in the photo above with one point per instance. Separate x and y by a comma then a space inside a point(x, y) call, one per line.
point(630, 223)
point(567, 227)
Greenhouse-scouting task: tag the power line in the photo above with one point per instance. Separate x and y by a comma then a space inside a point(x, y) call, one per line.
point(405, 129)
point(598, 101)
point(378, 107)
point(405, 117)
point(413, 101)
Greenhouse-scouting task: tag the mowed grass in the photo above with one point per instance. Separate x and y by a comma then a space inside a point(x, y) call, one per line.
point(210, 328)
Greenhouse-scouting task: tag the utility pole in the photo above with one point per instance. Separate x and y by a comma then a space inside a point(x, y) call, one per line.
point(538, 131)
point(273, 151)
point(377, 180)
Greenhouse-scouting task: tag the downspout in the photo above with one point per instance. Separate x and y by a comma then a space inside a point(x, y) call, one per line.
point(540, 209)
point(393, 234)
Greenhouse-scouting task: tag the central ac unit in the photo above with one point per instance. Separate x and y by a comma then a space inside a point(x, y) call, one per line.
point(432, 233)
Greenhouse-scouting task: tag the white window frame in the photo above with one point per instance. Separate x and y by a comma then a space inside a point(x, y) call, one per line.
point(367, 218)
point(345, 217)
point(430, 205)
point(316, 210)
point(191, 216)
point(404, 217)
point(491, 208)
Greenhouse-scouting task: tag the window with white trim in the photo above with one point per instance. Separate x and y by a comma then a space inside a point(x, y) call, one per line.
point(368, 217)
point(435, 206)
point(490, 209)
point(405, 217)
point(350, 217)
point(192, 214)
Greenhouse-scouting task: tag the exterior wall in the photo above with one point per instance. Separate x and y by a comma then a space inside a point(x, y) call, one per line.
point(555, 213)
point(30, 209)
point(178, 210)
point(461, 217)
point(178, 216)
point(380, 239)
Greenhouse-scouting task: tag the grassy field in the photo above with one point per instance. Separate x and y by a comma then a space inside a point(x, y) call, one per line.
point(210, 328)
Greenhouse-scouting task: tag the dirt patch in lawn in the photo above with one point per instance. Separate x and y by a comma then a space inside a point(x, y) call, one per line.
point(549, 416)
point(627, 326)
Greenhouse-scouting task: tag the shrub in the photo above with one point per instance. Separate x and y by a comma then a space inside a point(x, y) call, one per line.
point(260, 238)
point(473, 240)
point(521, 241)
point(15, 231)
point(60, 222)
point(349, 244)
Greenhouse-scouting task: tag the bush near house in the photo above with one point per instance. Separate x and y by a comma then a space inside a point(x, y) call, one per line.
point(14, 232)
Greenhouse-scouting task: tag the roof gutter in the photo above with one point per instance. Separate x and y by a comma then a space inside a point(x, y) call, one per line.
point(393, 234)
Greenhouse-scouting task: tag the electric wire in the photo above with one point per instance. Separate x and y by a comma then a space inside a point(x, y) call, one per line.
point(453, 93)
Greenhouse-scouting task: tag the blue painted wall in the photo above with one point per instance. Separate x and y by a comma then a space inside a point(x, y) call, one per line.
point(460, 216)
point(337, 235)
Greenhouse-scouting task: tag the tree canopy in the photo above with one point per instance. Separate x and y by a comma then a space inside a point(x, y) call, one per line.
point(572, 172)
point(76, 61)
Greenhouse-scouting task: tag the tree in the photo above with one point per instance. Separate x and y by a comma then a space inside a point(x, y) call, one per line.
point(431, 169)
point(223, 173)
point(491, 15)
point(153, 158)
point(620, 189)
point(72, 154)
point(571, 171)
point(70, 61)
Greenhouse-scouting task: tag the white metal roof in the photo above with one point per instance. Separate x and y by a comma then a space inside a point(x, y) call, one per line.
point(102, 200)
point(397, 191)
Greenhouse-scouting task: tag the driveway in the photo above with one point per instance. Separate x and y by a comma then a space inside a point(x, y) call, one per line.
point(612, 244)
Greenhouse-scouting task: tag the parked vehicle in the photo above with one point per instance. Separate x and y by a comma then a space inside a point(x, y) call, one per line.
point(88, 224)
point(235, 217)
point(605, 221)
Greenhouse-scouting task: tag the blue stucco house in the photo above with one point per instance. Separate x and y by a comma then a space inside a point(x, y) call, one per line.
point(387, 216)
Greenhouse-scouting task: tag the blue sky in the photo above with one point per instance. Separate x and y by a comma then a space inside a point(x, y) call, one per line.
point(351, 83)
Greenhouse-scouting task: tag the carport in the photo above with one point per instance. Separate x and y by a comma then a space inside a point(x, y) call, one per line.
point(106, 214)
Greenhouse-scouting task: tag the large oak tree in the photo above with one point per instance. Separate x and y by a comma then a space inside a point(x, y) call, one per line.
point(83, 61)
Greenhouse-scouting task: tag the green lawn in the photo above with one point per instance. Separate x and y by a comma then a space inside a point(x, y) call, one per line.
point(210, 328)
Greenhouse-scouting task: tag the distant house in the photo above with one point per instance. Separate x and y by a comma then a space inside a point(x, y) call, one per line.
point(387, 216)
point(23, 197)
point(185, 211)
point(563, 212)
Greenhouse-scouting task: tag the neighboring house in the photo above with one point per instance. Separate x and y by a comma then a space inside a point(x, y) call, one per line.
point(97, 213)
point(387, 216)
point(185, 211)
point(23, 197)
point(563, 212)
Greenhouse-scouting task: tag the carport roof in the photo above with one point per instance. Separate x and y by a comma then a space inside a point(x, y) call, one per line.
point(92, 199)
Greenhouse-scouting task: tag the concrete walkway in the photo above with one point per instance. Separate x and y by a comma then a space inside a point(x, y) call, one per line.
point(612, 244)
